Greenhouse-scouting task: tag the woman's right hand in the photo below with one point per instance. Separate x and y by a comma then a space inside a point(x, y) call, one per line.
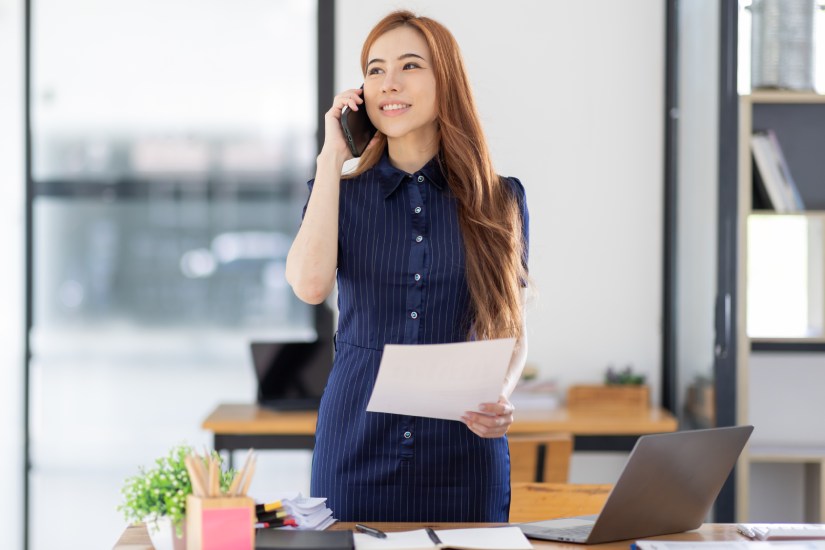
point(334, 140)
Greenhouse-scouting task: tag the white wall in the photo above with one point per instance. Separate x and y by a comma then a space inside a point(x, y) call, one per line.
point(785, 398)
point(12, 215)
point(571, 95)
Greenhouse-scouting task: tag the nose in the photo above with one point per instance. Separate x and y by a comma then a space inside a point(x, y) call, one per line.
point(391, 82)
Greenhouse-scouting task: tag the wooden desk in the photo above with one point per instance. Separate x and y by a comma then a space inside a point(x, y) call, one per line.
point(238, 426)
point(136, 537)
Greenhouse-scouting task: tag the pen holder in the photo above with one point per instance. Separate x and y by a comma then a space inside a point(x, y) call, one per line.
point(221, 523)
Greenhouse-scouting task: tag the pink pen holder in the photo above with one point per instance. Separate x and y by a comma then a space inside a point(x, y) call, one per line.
point(220, 523)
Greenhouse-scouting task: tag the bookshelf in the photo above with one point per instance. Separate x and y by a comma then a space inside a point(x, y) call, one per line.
point(799, 121)
point(798, 118)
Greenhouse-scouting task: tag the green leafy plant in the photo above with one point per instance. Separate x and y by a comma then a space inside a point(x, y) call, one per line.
point(161, 491)
point(624, 377)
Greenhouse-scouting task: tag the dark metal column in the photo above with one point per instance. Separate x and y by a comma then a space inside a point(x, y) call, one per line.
point(670, 252)
point(725, 352)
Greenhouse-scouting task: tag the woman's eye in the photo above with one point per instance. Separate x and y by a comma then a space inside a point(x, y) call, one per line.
point(374, 70)
point(411, 66)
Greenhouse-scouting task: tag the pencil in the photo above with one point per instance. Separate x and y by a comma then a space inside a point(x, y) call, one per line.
point(249, 473)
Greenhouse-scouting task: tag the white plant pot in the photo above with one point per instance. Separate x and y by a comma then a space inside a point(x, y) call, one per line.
point(163, 536)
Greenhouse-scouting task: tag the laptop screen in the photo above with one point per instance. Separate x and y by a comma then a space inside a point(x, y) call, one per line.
point(291, 375)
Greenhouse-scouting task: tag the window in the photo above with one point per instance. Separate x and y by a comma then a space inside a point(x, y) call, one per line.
point(785, 276)
point(172, 142)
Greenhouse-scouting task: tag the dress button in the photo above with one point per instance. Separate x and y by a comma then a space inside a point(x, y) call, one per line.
point(417, 276)
point(420, 179)
point(414, 315)
point(419, 238)
point(417, 210)
point(407, 435)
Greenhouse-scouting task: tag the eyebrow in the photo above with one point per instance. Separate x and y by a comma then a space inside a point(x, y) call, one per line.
point(400, 57)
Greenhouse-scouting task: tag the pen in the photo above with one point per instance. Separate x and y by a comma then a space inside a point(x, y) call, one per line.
point(433, 536)
point(377, 533)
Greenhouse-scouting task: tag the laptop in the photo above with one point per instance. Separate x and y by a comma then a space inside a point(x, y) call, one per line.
point(668, 485)
point(291, 375)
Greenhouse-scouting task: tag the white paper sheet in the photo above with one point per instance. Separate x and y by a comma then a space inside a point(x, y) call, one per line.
point(440, 380)
point(485, 538)
point(403, 540)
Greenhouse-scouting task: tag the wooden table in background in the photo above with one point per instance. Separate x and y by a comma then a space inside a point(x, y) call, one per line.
point(241, 426)
point(136, 537)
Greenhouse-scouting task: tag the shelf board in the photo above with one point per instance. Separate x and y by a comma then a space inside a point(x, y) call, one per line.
point(786, 453)
point(803, 340)
point(808, 213)
point(785, 96)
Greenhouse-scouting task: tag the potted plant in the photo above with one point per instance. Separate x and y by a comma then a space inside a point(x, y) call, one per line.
point(622, 392)
point(157, 496)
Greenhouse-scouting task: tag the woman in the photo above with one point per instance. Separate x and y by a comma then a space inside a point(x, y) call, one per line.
point(429, 246)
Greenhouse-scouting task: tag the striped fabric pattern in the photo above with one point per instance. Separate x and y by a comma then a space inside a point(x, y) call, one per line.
point(401, 281)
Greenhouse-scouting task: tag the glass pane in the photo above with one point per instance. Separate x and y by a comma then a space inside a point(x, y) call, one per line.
point(785, 276)
point(13, 274)
point(172, 263)
point(172, 142)
point(697, 203)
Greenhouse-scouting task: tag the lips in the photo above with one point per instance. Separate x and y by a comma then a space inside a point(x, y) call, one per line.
point(393, 108)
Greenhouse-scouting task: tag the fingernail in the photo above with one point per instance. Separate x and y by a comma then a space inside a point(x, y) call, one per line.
point(482, 407)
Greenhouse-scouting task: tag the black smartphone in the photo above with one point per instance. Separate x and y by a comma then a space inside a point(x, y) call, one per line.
point(358, 128)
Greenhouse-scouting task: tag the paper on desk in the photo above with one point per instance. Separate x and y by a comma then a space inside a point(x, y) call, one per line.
point(728, 545)
point(404, 540)
point(480, 538)
point(440, 380)
point(485, 538)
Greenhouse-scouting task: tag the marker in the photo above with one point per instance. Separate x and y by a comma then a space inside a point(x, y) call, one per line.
point(432, 535)
point(268, 507)
point(377, 533)
point(267, 516)
point(274, 524)
point(268, 524)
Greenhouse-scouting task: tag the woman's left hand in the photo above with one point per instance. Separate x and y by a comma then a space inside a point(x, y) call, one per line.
point(494, 419)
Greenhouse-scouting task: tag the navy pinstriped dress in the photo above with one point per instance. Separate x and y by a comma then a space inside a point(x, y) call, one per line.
point(401, 280)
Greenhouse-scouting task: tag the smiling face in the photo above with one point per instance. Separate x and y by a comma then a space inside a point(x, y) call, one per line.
point(399, 86)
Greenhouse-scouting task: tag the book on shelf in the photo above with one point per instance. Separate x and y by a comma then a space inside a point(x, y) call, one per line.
point(774, 186)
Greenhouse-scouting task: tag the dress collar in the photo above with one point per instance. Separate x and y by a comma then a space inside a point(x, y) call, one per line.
point(391, 177)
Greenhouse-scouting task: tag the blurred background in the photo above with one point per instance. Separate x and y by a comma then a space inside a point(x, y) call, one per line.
point(168, 150)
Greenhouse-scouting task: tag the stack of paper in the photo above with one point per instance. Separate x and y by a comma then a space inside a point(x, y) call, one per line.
point(309, 513)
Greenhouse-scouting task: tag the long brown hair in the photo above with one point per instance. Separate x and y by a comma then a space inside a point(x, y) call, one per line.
point(488, 212)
